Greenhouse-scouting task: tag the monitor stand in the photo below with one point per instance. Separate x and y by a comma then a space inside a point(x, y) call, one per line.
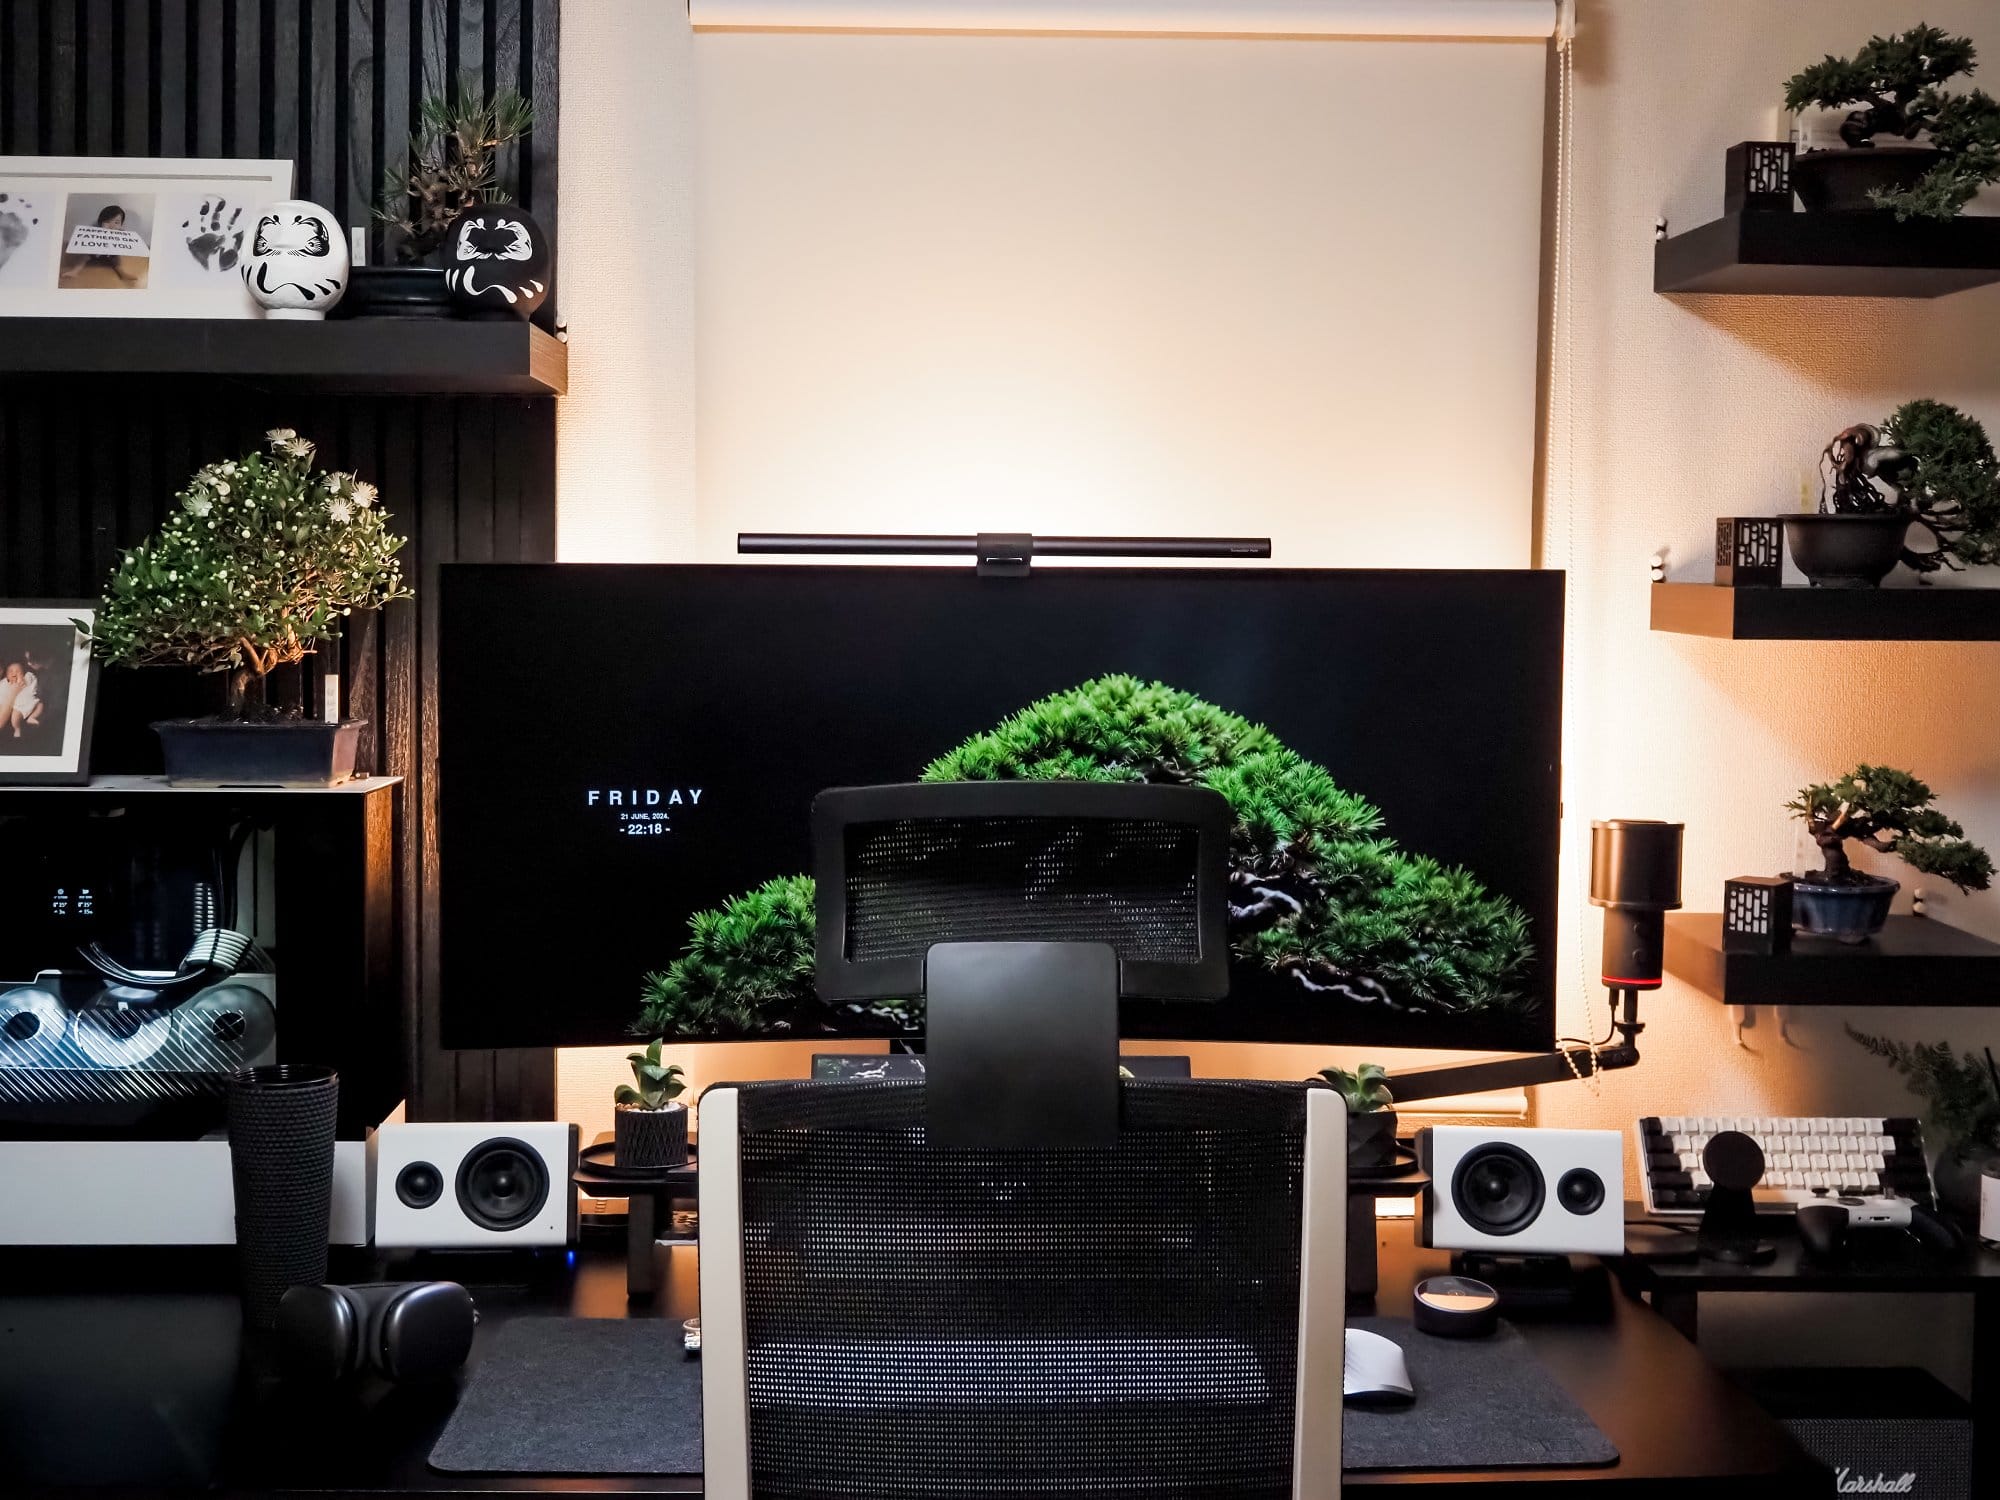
point(1021, 1045)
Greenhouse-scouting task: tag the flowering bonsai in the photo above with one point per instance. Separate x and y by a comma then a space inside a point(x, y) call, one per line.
point(1890, 812)
point(1893, 82)
point(259, 565)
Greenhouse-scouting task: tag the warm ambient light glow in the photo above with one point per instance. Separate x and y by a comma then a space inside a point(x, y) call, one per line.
point(1513, 19)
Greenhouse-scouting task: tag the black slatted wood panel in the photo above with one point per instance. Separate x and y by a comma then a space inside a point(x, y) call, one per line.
point(88, 467)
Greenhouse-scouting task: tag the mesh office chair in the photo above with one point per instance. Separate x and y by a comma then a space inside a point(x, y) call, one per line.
point(886, 1313)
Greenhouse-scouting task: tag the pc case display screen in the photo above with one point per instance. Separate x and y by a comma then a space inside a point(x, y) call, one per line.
point(629, 755)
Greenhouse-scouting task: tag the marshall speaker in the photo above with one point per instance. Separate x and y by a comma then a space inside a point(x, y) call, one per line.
point(1881, 1431)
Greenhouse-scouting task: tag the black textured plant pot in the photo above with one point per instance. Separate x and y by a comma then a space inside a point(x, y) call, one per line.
point(1371, 1139)
point(1849, 913)
point(284, 752)
point(281, 1160)
point(1846, 552)
point(395, 292)
point(1839, 181)
point(651, 1137)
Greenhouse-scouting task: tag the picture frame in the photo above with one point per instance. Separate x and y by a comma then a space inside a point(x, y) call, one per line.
point(46, 659)
point(131, 237)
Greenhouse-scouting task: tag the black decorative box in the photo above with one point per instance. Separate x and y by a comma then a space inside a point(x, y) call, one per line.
point(1758, 178)
point(1749, 552)
point(1757, 914)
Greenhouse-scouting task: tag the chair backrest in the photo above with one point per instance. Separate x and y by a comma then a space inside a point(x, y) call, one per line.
point(1160, 1318)
point(1141, 868)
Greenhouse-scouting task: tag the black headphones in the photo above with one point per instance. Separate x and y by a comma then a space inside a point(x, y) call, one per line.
point(403, 1330)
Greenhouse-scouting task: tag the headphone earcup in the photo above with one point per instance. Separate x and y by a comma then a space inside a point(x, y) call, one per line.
point(423, 1332)
point(320, 1334)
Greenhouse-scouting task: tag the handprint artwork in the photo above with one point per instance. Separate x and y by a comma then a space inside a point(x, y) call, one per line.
point(297, 266)
point(214, 235)
point(19, 219)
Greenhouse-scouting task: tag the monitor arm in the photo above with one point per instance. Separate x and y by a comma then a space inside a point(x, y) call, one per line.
point(1486, 1073)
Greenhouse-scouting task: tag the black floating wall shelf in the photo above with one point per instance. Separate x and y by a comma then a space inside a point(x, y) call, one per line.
point(1912, 961)
point(1829, 255)
point(434, 356)
point(1810, 614)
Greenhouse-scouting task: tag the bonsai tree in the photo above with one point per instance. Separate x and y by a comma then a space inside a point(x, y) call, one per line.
point(1950, 483)
point(262, 560)
point(1890, 812)
point(1320, 897)
point(453, 163)
point(1366, 1089)
point(654, 1086)
point(1894, 84)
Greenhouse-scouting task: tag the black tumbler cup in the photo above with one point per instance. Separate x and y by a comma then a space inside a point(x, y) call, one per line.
point(281, 1122)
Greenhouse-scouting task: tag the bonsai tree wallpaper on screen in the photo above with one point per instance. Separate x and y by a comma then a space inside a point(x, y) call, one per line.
point(647, 806)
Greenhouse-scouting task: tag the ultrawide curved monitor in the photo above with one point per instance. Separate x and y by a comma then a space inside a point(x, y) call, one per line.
point(628, 759)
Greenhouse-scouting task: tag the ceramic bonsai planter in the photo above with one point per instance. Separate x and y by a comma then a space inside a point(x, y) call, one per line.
point(395, 292)
point(1840, 181)
point(283, 752)
point(1846, 551)
point(1851, 912)
point(650, 1137)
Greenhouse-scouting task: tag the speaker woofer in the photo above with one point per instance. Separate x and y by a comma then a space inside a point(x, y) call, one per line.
point(502, 1184)
point(1498, 1189)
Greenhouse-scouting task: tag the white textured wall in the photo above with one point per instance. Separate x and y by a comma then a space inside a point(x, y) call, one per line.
point(1693, 407)
point(625, 460)
point(1690, 408)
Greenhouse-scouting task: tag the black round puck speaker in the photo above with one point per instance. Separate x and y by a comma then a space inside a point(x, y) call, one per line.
point(1580, 1190)
point(1455, 1307)
point(1733, 1160)
point(419, 1185)
point(502, 1184)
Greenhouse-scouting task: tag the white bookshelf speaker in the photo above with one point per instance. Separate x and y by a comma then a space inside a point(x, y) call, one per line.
point(468, 1185)
point(1523, 1191)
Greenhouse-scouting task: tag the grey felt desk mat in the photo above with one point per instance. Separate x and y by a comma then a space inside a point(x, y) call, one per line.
point(577, 1396)
point(616, 1396)
point(1481, 1404)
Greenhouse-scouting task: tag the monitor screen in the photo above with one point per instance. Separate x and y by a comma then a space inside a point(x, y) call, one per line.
point(628, 756)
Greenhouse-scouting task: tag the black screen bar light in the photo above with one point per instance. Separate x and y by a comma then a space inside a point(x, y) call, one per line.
point(995, 551)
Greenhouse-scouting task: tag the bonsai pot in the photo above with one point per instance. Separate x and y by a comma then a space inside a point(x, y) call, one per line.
point(1839, 181)
point(280, 752)
point(650, 1137)
point(1846, 551)
point(1850, 912)
point(1371, 1139)
point(395, 292)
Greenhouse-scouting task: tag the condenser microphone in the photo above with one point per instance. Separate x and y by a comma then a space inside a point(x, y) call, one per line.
point(1635, 875)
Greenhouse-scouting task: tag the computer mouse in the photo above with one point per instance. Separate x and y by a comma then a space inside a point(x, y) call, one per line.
point(1822, 1229)
point(1375, 1373)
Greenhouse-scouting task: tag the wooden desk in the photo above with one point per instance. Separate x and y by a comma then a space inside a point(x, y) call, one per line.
point(143, 1385)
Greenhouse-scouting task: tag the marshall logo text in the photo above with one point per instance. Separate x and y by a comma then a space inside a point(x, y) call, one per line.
point(1847, 1482)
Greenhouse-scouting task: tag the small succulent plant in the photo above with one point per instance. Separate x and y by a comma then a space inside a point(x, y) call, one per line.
point(1366, 1089)
point(655, 1085)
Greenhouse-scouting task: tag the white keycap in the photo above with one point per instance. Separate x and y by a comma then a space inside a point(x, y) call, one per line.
point(1820, 1162)
point(1709, 1124)
point(1671, 1124)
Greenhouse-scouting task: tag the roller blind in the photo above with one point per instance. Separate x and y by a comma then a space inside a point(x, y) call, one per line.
point(951, 277)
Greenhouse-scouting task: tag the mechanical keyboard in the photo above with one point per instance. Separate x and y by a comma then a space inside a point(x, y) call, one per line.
point(1805, 1159)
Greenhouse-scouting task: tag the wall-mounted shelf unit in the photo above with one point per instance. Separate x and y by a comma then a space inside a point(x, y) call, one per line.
point(431, 356)
point(1912, 961)
point(1829, 255)
point(1810, 614)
